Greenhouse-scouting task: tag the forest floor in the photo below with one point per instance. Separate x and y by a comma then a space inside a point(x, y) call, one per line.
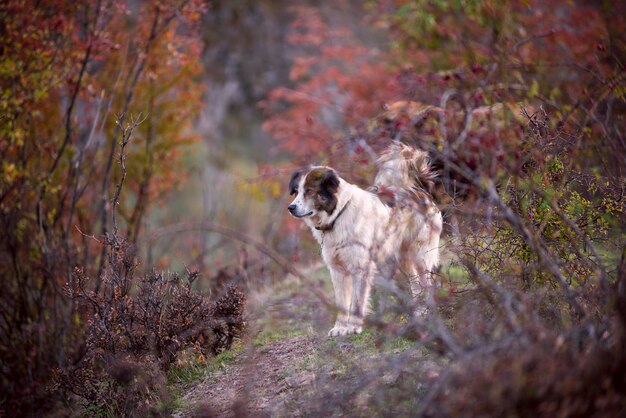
point(286, 360)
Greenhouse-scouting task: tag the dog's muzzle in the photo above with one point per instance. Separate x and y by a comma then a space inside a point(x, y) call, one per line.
point(293, 209)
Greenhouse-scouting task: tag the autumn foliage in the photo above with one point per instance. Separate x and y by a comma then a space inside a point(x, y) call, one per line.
point(72, 80)
point(457, 57)
point(520, 105)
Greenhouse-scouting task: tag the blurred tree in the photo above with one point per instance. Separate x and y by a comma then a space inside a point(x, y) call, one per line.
point(519, 94)
point(71, 75)
point(456, 54)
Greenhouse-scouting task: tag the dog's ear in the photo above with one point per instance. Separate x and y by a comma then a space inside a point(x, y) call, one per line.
point(293, 183)
point(328, 186)
point(329, 182)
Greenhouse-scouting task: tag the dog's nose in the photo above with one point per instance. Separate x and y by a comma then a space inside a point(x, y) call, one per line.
point(291, 208)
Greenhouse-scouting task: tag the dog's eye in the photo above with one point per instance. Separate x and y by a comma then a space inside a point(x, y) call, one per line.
point(307, 192)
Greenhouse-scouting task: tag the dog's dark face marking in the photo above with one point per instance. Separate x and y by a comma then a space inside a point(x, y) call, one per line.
point(321, 184)
point(293, 183)
point(315, 192)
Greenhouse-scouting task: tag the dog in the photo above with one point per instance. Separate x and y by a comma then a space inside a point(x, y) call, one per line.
point(368, 235)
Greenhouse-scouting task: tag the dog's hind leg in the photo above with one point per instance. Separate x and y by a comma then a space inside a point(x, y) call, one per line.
point(422, 288)
point(418, 264)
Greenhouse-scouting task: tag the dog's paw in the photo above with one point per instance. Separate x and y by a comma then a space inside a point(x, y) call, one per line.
point(341, 330)
point(337, 330)
point(354, 329)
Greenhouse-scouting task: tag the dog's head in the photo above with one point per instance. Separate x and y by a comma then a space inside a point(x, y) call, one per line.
point(315, 191)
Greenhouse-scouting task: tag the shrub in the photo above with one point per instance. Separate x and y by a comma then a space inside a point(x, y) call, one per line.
point(136, 328)
point(532, 190)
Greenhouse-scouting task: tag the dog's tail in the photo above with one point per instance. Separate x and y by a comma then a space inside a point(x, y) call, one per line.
point(403, 169)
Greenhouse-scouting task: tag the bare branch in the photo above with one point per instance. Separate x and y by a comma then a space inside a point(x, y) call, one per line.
point(279, 259)
point(127, 132)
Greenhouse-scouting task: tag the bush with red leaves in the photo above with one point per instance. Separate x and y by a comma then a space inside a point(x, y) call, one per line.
point(137, 326)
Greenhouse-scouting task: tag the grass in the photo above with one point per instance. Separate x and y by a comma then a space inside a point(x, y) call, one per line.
point(372, 342)
point(194, 370)
point(344, 353)
point(366, 341)
point(269, 335)
point(187, 373)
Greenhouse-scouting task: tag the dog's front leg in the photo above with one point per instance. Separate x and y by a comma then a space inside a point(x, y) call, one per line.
point(352, 294)
point(343, 286)
point(359, 303)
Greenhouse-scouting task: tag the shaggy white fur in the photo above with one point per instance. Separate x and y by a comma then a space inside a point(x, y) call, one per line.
point(369, 235)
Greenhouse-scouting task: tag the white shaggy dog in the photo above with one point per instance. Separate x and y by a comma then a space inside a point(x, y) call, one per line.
point(368, 235)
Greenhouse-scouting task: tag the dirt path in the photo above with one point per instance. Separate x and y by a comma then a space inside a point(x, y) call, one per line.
point(286, 326)
point(257, 383)
point(288, 365)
